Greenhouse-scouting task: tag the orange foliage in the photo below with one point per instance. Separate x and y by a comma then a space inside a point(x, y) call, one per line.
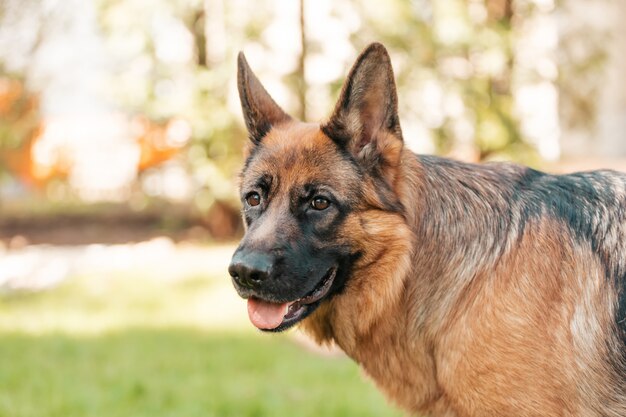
point(19, 108)
point(153, 143)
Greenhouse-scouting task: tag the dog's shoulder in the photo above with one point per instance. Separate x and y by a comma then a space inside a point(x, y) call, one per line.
point(590, 205)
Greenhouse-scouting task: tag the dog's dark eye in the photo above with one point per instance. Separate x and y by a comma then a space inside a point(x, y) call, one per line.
point(320, 203)
point(253, 199)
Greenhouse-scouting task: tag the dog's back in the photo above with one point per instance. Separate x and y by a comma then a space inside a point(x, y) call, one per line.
point(589, 206)
point(527, 311)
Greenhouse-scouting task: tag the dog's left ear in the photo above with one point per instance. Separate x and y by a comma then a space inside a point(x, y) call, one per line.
point(365, 120)
point(260, 111)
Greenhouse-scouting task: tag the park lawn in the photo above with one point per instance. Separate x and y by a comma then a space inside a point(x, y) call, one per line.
point(177, 372)
point(110, 349)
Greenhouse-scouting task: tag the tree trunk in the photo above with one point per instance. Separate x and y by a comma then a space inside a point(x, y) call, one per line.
point(214, 32)
point(301, 73)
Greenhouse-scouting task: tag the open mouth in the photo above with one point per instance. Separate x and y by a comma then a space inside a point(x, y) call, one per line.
point(271, 316)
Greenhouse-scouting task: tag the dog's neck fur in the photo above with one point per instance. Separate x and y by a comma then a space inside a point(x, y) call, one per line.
point(367, 338)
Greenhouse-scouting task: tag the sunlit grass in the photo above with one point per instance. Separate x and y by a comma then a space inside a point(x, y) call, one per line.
point(176, 372)
point(122, 345)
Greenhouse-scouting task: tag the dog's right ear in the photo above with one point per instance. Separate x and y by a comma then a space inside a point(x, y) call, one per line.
point(260, 111)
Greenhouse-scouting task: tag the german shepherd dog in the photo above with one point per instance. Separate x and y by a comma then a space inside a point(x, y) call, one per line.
point(462, 290)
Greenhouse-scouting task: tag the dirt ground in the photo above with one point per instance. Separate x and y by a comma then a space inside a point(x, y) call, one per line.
point(118, 224)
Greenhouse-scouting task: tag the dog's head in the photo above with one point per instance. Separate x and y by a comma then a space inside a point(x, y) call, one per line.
point(306, 190)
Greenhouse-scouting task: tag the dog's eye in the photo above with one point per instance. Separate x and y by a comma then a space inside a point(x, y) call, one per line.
point(253, 199)
point(320, 203)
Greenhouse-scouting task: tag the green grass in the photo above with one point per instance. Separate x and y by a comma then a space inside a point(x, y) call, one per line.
point(125, 346)
point(177, 372)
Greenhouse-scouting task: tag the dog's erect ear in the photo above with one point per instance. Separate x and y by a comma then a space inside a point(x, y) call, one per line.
point(365, 119)
point(260, 111)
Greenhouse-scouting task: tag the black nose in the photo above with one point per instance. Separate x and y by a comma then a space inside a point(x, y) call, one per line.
point(249, 269)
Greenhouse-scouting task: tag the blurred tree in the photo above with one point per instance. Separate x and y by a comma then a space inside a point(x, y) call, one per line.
point(460, 55)
point(301, 69)
point(173, 59)
point(582, 56)
point(20, 116)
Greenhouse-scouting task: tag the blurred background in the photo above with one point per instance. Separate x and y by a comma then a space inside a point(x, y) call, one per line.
point(120, 140)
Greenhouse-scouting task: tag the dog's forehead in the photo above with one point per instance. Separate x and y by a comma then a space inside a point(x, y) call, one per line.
point(300, 154)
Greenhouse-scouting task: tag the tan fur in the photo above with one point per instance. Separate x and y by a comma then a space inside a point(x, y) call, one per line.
point(451, 310)
point(524, 337)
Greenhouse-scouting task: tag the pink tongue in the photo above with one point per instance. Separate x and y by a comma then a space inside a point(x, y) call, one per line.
point(266, 315)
